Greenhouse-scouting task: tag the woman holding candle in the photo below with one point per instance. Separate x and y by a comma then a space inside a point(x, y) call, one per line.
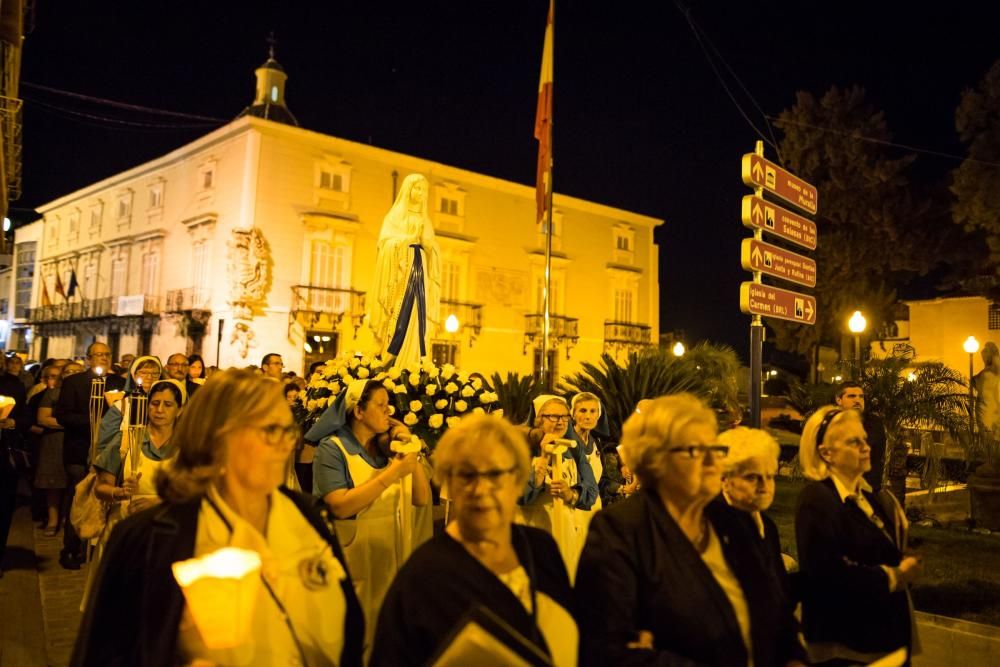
point(481, 560)
point(223, 489)
point(562, 483)
point(359, 478)
point(142, 374)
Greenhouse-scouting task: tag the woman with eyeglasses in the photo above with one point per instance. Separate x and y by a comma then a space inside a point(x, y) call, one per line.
point(223, 489)
point(359, 478)
point(854, 574)
point(482, 560)
point(673, 574)
point(562, 482)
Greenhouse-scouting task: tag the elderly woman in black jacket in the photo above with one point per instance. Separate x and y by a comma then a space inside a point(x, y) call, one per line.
point(673, 575)
point(223, 489)
point(851, 544)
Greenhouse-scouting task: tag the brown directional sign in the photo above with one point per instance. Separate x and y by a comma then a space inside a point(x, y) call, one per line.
point(778, 262)
point(782, 304)
point(780, 222)
point(761, 173)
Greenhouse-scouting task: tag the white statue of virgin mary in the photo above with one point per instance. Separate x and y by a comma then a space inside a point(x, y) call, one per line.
point(406, 293)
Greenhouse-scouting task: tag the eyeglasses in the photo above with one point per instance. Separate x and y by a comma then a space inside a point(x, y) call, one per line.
point(699, 451)
point(556, 418)
point(274, 434)
point(177, 364)
point(466, 479)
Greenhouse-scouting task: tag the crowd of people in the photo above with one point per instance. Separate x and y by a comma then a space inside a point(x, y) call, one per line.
point(563, 547)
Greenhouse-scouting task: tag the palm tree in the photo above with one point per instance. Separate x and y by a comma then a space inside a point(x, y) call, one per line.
point(707, 370)
point(515, 393)
point(906, 394)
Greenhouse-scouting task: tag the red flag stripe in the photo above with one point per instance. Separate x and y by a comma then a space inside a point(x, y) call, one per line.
point(543, 120)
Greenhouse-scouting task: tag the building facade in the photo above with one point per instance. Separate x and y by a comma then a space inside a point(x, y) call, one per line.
point(261, 237)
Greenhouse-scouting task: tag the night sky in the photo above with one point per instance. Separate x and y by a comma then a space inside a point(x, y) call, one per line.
point(641, 120)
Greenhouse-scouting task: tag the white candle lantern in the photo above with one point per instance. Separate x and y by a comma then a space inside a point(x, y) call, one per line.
point(221, 592)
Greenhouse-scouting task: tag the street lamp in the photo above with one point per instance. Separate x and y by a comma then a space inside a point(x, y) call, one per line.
point(451, 324)
point(971, 345)
point(857, 325)
point(678, 349)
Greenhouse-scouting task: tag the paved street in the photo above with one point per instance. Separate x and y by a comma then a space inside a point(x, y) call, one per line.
point(40, 600)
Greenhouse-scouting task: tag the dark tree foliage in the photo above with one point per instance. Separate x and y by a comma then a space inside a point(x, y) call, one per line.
point(870, 239)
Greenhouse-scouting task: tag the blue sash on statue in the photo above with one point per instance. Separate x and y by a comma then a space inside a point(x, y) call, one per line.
point(414, 291)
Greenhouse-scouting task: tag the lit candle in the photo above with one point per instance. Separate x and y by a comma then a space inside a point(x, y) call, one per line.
point(221, 591)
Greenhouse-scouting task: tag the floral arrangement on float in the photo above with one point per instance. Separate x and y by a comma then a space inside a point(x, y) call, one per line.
point(427, 398)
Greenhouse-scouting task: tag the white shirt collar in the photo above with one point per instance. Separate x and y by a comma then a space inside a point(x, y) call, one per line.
point(844, 492)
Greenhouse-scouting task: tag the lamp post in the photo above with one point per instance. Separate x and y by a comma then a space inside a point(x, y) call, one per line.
point(971, 346)
point(678, 349)
point(857, 325)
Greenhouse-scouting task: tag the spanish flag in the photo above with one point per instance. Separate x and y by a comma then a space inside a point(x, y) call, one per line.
point(543, 121)
point(46, 301)
point(59, 286)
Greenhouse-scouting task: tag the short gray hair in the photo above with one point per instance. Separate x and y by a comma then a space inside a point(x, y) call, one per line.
point(745, 445)
point(647, 435)
point(475, 431)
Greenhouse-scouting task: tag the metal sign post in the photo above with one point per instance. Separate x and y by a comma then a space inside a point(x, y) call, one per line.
point(760, 300)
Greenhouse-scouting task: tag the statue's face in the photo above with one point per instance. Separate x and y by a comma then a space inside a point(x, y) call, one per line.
point(418, 191)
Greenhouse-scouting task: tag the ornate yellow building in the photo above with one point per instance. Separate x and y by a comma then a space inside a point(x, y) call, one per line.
point(260, 237)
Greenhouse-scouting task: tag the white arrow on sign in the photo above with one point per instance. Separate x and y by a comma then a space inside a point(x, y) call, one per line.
point(755, 256)
point(809, 311)
point(757, 170)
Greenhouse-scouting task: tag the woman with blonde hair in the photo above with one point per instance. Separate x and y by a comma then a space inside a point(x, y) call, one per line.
point(673, 574)
point(481, 560)
point(223, 489)
point(851, 544)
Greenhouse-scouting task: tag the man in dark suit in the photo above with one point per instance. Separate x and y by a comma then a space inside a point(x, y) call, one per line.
point(850, 396)
point(72, 411)
point(177, 369)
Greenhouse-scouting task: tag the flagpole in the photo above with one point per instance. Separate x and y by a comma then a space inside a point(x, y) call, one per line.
point(547, 292)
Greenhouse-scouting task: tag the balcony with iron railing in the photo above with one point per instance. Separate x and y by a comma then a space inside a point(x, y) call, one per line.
point(84, 309)
point(563, 330)
point(187, 300)
point(626, 335)
point(323, 308)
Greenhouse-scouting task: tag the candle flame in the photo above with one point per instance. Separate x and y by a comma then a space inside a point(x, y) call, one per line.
point(99, 371)
point(226, 563)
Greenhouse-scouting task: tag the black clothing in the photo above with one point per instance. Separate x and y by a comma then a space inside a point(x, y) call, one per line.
point(441, 581)
point(639, 571)
point(876, 440)
point(190, 387)
point(845, 591)
point(135, 607)
point(72, 411)
point(13, 387)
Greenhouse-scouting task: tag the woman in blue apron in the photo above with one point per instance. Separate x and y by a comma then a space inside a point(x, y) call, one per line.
point(359, 479)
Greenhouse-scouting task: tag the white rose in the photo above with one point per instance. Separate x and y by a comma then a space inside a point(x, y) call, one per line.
point(410, 419)
point(451, 387)
point(485, 397)
point(461, 406)
point(477, 384)
point(436, 420)
point(414, 369)
point(365, 361)
point(441, 404)
point(353, 363)
point(394, 372)
point(381, 376)
point(431, 389)
point(415, 406)
point(463, 377)
point(478, 411)
point(468, 392)
point(433, 372)
point(400, 389)
point(498, 412)
point(414, 379)
point(363, 372)
point(389, 384)
point(342, 371)
point(447, 371)
point(453, 421)
point(311, 405)
point(334, 387)
point(392, 409)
